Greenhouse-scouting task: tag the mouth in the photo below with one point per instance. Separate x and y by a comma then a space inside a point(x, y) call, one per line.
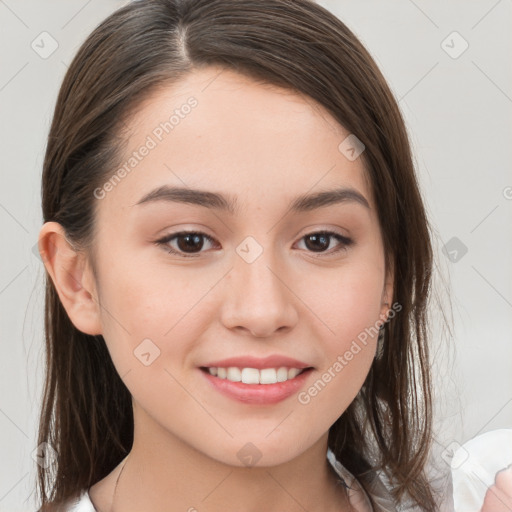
point(255, 376)
point(254, 386)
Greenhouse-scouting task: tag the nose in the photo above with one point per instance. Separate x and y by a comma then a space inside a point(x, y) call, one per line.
point(258, 299)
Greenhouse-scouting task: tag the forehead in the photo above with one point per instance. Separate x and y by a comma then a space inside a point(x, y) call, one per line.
point(223, 131)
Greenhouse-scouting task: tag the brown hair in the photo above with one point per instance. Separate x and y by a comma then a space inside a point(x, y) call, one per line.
point(86, 413)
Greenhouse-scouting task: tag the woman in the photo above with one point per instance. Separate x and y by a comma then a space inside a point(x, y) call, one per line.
point(239, 267)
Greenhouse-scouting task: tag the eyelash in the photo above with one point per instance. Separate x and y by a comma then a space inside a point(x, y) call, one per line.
point(345, 242)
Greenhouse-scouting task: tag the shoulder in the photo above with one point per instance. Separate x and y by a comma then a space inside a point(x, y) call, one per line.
point(99, 493)
point(82, 503)
point(359, 495)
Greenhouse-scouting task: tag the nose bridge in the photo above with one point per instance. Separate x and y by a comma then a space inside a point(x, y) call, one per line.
point(257, 296)
point(256, 266)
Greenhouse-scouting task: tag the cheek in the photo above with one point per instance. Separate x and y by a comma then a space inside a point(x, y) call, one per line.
point(151, 318)
point(147, 298)
point(149, 330)
point(348, 346)
point(346, 301)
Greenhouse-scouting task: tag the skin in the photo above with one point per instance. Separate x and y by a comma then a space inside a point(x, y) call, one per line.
point(265, 146)
point(498, 497)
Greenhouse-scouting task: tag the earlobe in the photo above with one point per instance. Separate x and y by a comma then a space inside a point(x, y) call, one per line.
point(71, 276)
point(387, 296)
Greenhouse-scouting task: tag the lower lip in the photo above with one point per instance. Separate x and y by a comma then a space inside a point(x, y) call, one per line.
point(258, 393)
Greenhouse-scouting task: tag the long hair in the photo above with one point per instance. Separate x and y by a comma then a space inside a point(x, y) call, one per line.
point(86, 411)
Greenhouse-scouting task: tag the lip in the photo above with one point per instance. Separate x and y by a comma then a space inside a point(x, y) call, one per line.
point(262, 394)
point(272, 361)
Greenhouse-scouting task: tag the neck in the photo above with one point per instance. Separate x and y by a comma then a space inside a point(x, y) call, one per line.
point(163, 473)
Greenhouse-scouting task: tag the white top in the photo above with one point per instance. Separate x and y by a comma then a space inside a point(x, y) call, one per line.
point(357, 495)
point(474, 466)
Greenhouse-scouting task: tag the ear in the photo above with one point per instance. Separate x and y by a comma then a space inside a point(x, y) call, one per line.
point(72, 277)
point(387, 294)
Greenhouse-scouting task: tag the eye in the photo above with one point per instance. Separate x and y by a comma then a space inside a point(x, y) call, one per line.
point(189, 242)
point(320, 240)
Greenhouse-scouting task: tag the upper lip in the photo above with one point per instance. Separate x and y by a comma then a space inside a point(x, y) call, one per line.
point(273, 361)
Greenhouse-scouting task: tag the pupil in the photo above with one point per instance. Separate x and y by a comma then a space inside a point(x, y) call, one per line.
point(196, 240)
point(323, 239)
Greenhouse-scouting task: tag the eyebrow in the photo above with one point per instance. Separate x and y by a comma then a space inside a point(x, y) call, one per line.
point(216, 201)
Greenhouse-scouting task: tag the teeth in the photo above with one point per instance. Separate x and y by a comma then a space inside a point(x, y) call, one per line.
point(255, 376)
point(250, 376)
point(282, 374)
point(234, 374)
point(293, 372)
point(268, 376)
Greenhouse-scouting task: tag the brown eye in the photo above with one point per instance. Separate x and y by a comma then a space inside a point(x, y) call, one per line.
point(189, 243)
point(320, 241)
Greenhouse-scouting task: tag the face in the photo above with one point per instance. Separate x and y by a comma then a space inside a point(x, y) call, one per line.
point(255, 280)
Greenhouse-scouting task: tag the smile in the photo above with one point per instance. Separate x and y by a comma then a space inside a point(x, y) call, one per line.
point(256, 386)
point(254, 375)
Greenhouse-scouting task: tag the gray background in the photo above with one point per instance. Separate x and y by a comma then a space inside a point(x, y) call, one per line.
point(457, 109)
